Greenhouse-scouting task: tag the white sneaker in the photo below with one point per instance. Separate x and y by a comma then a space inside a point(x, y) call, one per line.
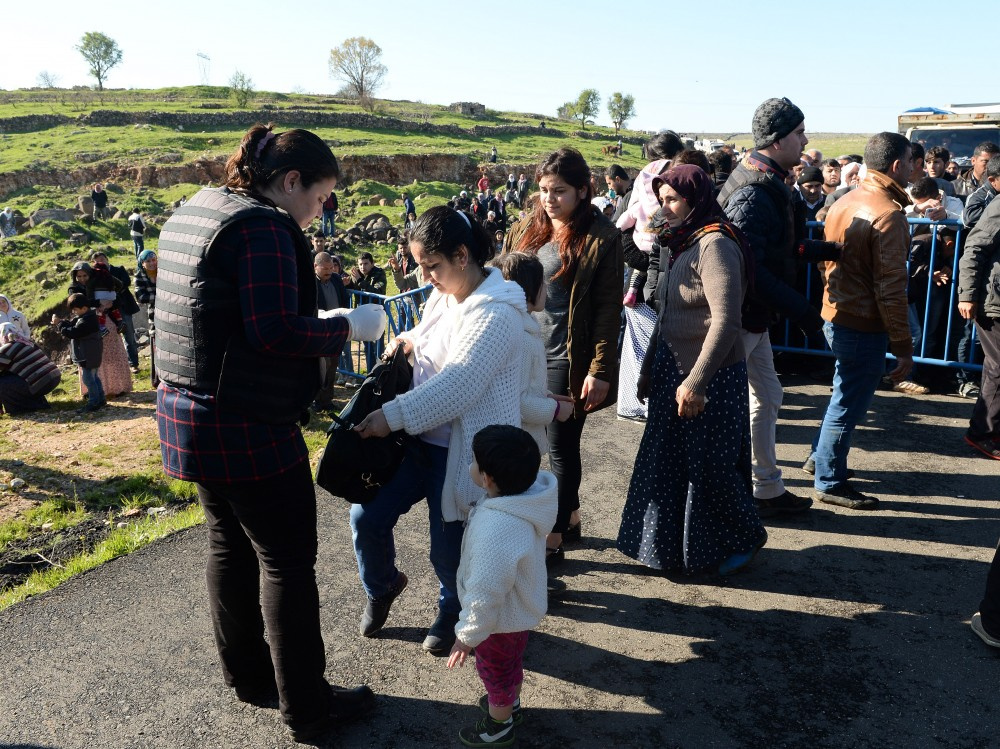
point(977, 627)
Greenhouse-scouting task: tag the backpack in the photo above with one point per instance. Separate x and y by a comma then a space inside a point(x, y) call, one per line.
point(354, 468)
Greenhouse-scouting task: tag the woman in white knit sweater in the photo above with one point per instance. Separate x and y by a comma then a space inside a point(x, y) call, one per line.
point(467, 356)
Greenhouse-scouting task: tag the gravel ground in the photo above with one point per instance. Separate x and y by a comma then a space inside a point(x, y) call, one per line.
point(850, 629)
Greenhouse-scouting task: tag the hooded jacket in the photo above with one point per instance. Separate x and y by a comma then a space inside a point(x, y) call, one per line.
point(979, 267)
point(537, 408)
point(479, 383)
point(17, 319)
point(865, 289)
point(502, 581)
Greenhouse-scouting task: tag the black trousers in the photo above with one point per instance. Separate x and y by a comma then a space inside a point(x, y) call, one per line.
point(985, 421)
point(989, 608)
point(564, 448)
point(261, 573)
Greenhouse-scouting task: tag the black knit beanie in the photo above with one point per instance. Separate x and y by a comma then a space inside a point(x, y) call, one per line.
point(773, 120)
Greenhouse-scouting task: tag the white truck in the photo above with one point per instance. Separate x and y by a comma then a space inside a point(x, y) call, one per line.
point(959, 128)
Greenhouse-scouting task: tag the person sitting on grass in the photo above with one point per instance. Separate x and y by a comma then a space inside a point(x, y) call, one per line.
point(86, 347)
point(502, 580)
point(27, 375)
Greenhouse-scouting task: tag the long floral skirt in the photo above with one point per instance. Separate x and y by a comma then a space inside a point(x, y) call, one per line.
point(690, 501)
point(639, 324)
point(116, 377)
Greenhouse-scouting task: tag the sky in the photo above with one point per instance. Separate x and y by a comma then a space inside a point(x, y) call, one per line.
point(849, 65)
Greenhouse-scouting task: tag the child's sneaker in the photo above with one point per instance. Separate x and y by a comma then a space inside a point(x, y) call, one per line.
point(488, 732)
point(484, 705)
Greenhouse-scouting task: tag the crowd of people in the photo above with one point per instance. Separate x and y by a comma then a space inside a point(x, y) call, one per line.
point(661, 294)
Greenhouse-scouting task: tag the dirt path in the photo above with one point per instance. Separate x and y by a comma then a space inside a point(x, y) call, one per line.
point(850, 629)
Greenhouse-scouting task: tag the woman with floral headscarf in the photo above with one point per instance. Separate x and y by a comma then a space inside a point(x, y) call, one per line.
point(27, 375)
point(690, 503)
point(7, 226)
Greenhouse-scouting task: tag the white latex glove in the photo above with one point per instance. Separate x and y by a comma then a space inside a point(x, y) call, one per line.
point(367, 322)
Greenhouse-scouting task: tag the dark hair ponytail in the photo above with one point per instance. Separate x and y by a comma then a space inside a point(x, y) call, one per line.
point(442, 230)
point(264, 156)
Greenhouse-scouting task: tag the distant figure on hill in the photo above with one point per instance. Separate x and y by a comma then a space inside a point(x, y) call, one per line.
point(408, 206)
point(136, 229)
point(493, 155)
point(100, 198)
point(7, 226)
point(330, 208)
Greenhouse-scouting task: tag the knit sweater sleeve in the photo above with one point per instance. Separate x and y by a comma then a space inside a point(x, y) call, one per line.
point(479, 348)
point(721, 268)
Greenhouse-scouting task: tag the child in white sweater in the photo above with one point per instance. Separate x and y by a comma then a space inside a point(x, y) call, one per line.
point(538, 406)
point(502, 578)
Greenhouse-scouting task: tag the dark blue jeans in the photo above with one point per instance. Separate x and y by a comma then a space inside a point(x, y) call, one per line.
point(327, 224)
point(95, 388)
point(859, 367)
point(420, 475)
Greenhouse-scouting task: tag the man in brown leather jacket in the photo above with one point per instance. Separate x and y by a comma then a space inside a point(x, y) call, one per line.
point(864, 305)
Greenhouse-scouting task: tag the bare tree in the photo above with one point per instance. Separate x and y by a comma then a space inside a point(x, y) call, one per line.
point(358, 63)
point(241, 88)
point(621, 108)
point(47, 80)
point(101, 52)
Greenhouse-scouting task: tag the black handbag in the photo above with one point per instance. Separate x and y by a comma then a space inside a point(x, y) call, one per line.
point(354, 468)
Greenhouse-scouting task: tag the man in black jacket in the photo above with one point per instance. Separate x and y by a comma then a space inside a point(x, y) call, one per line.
point(757, 200)
point(979, 300)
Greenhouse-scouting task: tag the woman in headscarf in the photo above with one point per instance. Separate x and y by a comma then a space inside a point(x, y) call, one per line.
point(115, 371)
point(11, 315)
point(8, 227)
point(145, 293)
point(690, 503)
point(27, 375)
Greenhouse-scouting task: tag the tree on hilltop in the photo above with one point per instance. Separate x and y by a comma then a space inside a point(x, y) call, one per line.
point(241, 88)
point(47, 79)
point(101, 52)
point(621, 108)
point(358, 63)
point(585, 107)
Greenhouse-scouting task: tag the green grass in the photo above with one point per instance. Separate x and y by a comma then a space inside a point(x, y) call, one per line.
point(119, 542)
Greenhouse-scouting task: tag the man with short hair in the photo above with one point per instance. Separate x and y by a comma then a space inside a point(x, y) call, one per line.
point(814, 156)
point(772, 217)
point(330, 294)
point(936, 160)
point(844, 160)
point(100, 198)
point(976, 203)
point(831, 176)
point(972, 179)
point(722, 164)
point(617, 179)
point(408, 205)
point(865, 308)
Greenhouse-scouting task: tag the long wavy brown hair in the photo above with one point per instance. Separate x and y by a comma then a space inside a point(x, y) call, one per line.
point(569, 164)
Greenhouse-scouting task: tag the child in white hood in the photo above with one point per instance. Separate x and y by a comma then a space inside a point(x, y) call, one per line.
point(502, 580)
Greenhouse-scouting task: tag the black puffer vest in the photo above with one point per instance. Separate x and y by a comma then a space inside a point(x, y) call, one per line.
point(200, 343)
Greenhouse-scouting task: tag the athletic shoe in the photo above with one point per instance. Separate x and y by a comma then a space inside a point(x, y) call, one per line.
point(810, 467)
point(737, 562)
point(488, 733)
point(969, 390)
point(377, 609)
point(441, 636)
point(977, 627)
point(786, 503)
point(845, 495)
point(987, 446)
point(515, 715)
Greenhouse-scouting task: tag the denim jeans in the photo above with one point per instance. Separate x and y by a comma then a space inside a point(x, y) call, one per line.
point(373, 352)
point(859, 367)
point(267, 527)
point(327, 225)
point(137, 245)
point(95, 388)
point(131, 348)
point(420, 475)
point(346, 363)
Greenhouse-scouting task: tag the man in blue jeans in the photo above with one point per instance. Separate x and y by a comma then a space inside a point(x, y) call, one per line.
point(865, 308)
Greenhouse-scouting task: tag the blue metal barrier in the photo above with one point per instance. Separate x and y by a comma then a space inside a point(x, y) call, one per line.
point(402, 311)
point(953, 330)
